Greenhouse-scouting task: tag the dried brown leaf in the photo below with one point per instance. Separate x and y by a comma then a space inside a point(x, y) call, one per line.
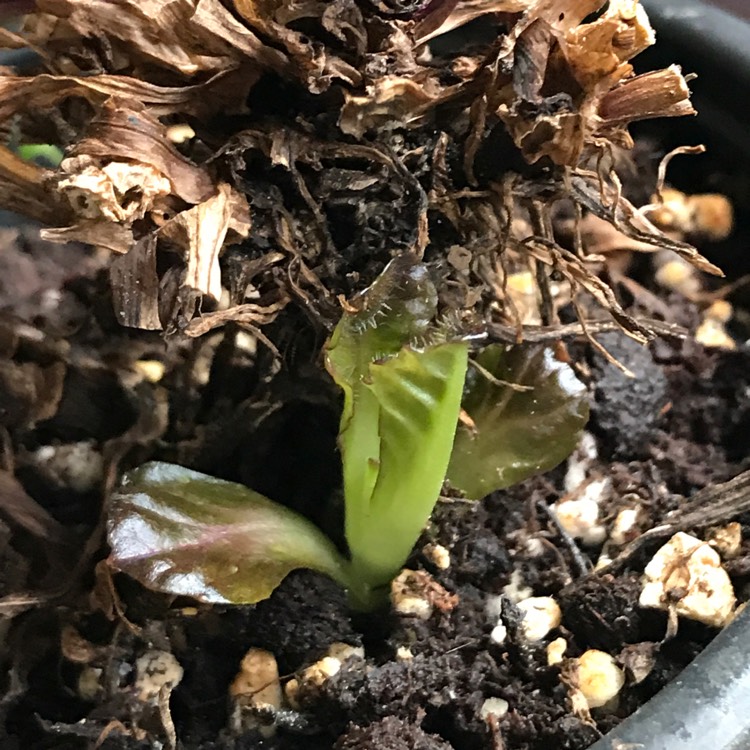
point(531, 56)
point(559, 135)
point(107, 235)
point(463, 12)
point(598, 49)
point(390, 102)
point(188, 36)
point(660, 93)
point(9, 40)
point(315, 65)
point(224, 91)
point(201, 232)
point(574, 270)
point(562, 85)
point(600, 236)
point(572, 82)
point(604, 201)
point(559, 15)
point(119, 191)
point(344, 20)
point(247, 315)
point(123, 131)
point(135, 286)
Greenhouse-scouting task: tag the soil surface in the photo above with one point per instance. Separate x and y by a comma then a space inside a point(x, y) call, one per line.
point(76, 410)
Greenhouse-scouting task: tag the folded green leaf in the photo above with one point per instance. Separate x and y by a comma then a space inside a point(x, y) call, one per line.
point(396, 309)
point(517, 433)
point(185, 533)
point(401, 403)
point(418, 397)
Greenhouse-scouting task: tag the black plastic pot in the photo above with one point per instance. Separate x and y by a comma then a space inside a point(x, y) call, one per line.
point(715, 45)
point(707, 706)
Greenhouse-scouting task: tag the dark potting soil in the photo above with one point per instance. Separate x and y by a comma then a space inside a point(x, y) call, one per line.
point(68, 668)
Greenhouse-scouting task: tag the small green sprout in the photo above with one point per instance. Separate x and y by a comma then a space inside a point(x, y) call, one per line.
point(404, 386)
point(44, 154)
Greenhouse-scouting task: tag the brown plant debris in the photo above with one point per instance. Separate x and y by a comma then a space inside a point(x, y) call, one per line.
point(331, 136)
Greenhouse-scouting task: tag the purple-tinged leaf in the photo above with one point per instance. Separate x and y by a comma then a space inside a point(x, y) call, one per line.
point(185, 533)
point(517, 433)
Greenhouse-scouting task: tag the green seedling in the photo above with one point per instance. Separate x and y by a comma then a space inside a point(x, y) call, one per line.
point(404, 384)
point(44, 154)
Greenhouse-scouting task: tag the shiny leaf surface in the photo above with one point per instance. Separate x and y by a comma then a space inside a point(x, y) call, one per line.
point(185, 533)
point(517, 433)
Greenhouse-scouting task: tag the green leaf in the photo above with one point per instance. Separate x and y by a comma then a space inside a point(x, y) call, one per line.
point(418, 397)
point(518, 433)
point(185, 533)
point(41, 153)
point(401, 402)
point(396, 309)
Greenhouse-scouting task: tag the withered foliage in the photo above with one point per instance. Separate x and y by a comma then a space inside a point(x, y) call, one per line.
point(237, 156)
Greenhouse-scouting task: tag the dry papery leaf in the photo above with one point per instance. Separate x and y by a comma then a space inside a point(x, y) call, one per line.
point(184, 36)
point(125, 170)
point(336, 135)
point(19, 94)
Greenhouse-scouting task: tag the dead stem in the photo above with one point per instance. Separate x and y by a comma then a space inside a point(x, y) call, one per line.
point(505, 334)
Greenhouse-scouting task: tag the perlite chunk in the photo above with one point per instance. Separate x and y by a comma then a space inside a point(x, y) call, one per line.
point(686, 574)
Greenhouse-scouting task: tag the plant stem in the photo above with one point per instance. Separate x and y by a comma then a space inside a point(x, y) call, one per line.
point(364, 598)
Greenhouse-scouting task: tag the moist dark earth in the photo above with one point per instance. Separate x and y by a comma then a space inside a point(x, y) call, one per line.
point(681, 425)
